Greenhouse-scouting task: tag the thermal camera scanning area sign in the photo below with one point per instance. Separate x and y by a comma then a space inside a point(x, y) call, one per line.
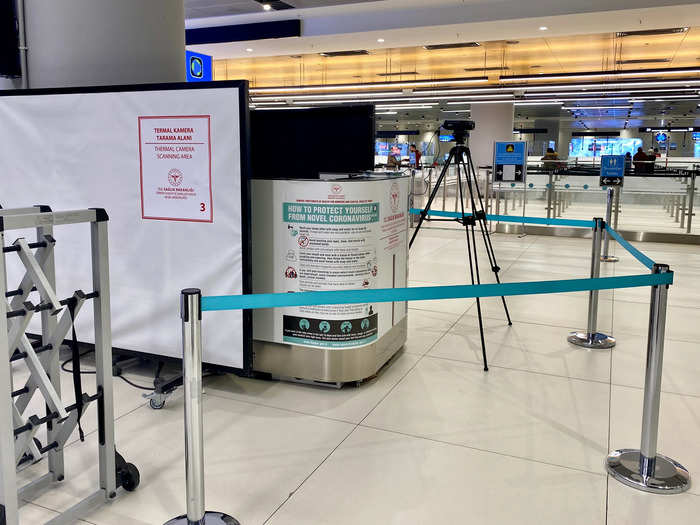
point(175, 158)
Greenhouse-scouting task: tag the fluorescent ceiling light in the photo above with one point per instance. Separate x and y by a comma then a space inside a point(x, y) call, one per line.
point(661, 98)
point(610, 93)
point(269, 103)
point(249, 49)
point(641, 83)
point(386, 113)
point(540, 103)
point(398, 100)
point(455, 110)
point(371, 85)
point(574, 108)
point(332, 95)
point(480, 101)
point(406, 106)
point(266, 7)
point(282, 107)
point(380, 40)
point(543, 28)
point(599, 74)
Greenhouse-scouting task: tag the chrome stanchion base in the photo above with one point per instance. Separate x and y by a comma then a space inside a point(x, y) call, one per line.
point(669, 477)
point(595, 341)
point(210, 518)
point(609, 258)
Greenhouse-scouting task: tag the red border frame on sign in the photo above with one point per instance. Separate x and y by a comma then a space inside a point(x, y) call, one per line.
point(211, 197)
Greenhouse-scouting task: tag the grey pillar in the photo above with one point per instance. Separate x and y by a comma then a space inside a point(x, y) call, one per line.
point(103, 42)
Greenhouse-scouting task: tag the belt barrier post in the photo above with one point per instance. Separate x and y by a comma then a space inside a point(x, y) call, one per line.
point(592, 338)
point(608, 221)
point(191, 314)
point(644, 469)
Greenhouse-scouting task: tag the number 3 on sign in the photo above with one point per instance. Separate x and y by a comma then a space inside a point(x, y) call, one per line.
point(202, 207)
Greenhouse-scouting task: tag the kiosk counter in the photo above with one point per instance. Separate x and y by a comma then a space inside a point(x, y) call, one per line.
point(341, 234)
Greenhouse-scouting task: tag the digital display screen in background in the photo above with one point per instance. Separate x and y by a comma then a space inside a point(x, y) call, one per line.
point(381, 148)
point(447, 138)
point(592, 147)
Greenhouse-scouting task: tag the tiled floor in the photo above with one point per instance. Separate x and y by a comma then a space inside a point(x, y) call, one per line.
point(434, 439)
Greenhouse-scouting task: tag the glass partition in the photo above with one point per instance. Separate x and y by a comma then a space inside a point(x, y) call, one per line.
point(659, 202)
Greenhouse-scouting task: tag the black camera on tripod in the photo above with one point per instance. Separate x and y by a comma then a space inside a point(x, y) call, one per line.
point(459, 128)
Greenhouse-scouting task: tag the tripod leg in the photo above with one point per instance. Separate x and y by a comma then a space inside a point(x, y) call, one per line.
point(425, 211)
point(466, 221)
point(481, 217)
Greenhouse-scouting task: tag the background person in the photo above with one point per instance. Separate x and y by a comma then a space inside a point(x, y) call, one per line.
point(415, 156)
point(550, 160)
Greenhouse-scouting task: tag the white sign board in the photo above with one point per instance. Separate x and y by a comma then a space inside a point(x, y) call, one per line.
point(175, 162)
point(166, 164)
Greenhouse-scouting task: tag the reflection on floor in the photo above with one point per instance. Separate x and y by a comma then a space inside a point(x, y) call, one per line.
point(434, 439)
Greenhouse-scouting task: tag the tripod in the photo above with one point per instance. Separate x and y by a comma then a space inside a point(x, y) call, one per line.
point(468, 220)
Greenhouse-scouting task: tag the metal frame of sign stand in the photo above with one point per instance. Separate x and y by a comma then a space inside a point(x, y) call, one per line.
point(19, 447)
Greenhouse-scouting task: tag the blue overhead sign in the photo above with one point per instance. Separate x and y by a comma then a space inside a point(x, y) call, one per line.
point(612, 170)
point(199, 67)
point(513, 153)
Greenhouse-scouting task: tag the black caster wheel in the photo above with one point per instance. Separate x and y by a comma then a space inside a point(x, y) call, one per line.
point(130, 477)
point(156, 404)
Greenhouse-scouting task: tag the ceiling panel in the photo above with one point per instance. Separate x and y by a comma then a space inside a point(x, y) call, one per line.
point(527, 56)
point(207, 8)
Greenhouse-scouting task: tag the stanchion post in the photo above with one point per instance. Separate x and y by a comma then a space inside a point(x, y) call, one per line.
point(608, 221)
point(191, 315)
point(645, 469)
point(591, 338)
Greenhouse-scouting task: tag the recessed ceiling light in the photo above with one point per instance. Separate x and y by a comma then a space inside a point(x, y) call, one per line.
point(543, 28)
point(380, 40)
point(266, 7)
point(249, 49)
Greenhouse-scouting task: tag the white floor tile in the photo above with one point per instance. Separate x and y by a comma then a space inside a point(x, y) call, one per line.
point(425, 328)
point(570, 312)
point(349, 403)
point(380, 478)
point(523, 346)
point(627, 506)
point(679, 426)
point(254, 457)
point(30, 514)
point(681, 323)
point(534, 416)
point(681, 368)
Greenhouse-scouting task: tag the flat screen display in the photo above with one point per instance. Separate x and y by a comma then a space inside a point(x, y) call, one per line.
point(301, 143)
point(447, 138)
point(595, 147)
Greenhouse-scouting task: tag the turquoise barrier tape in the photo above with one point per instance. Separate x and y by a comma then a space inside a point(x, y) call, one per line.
point(646, 261)
point(513, 218)
point(425, 293)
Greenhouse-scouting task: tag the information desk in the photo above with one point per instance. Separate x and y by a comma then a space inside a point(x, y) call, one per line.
point(344, 234)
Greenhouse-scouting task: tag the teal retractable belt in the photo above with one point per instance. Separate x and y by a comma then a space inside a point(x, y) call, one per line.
point(426, 293)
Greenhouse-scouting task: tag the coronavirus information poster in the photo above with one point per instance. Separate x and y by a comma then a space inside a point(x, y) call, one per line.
point(331, 235)
point(175, 159)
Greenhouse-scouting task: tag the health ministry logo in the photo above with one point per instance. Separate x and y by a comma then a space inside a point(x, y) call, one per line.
point(175, 177)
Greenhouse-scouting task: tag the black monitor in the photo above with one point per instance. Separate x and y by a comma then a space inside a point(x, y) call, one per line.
point(9, 45)
point(302, 143)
